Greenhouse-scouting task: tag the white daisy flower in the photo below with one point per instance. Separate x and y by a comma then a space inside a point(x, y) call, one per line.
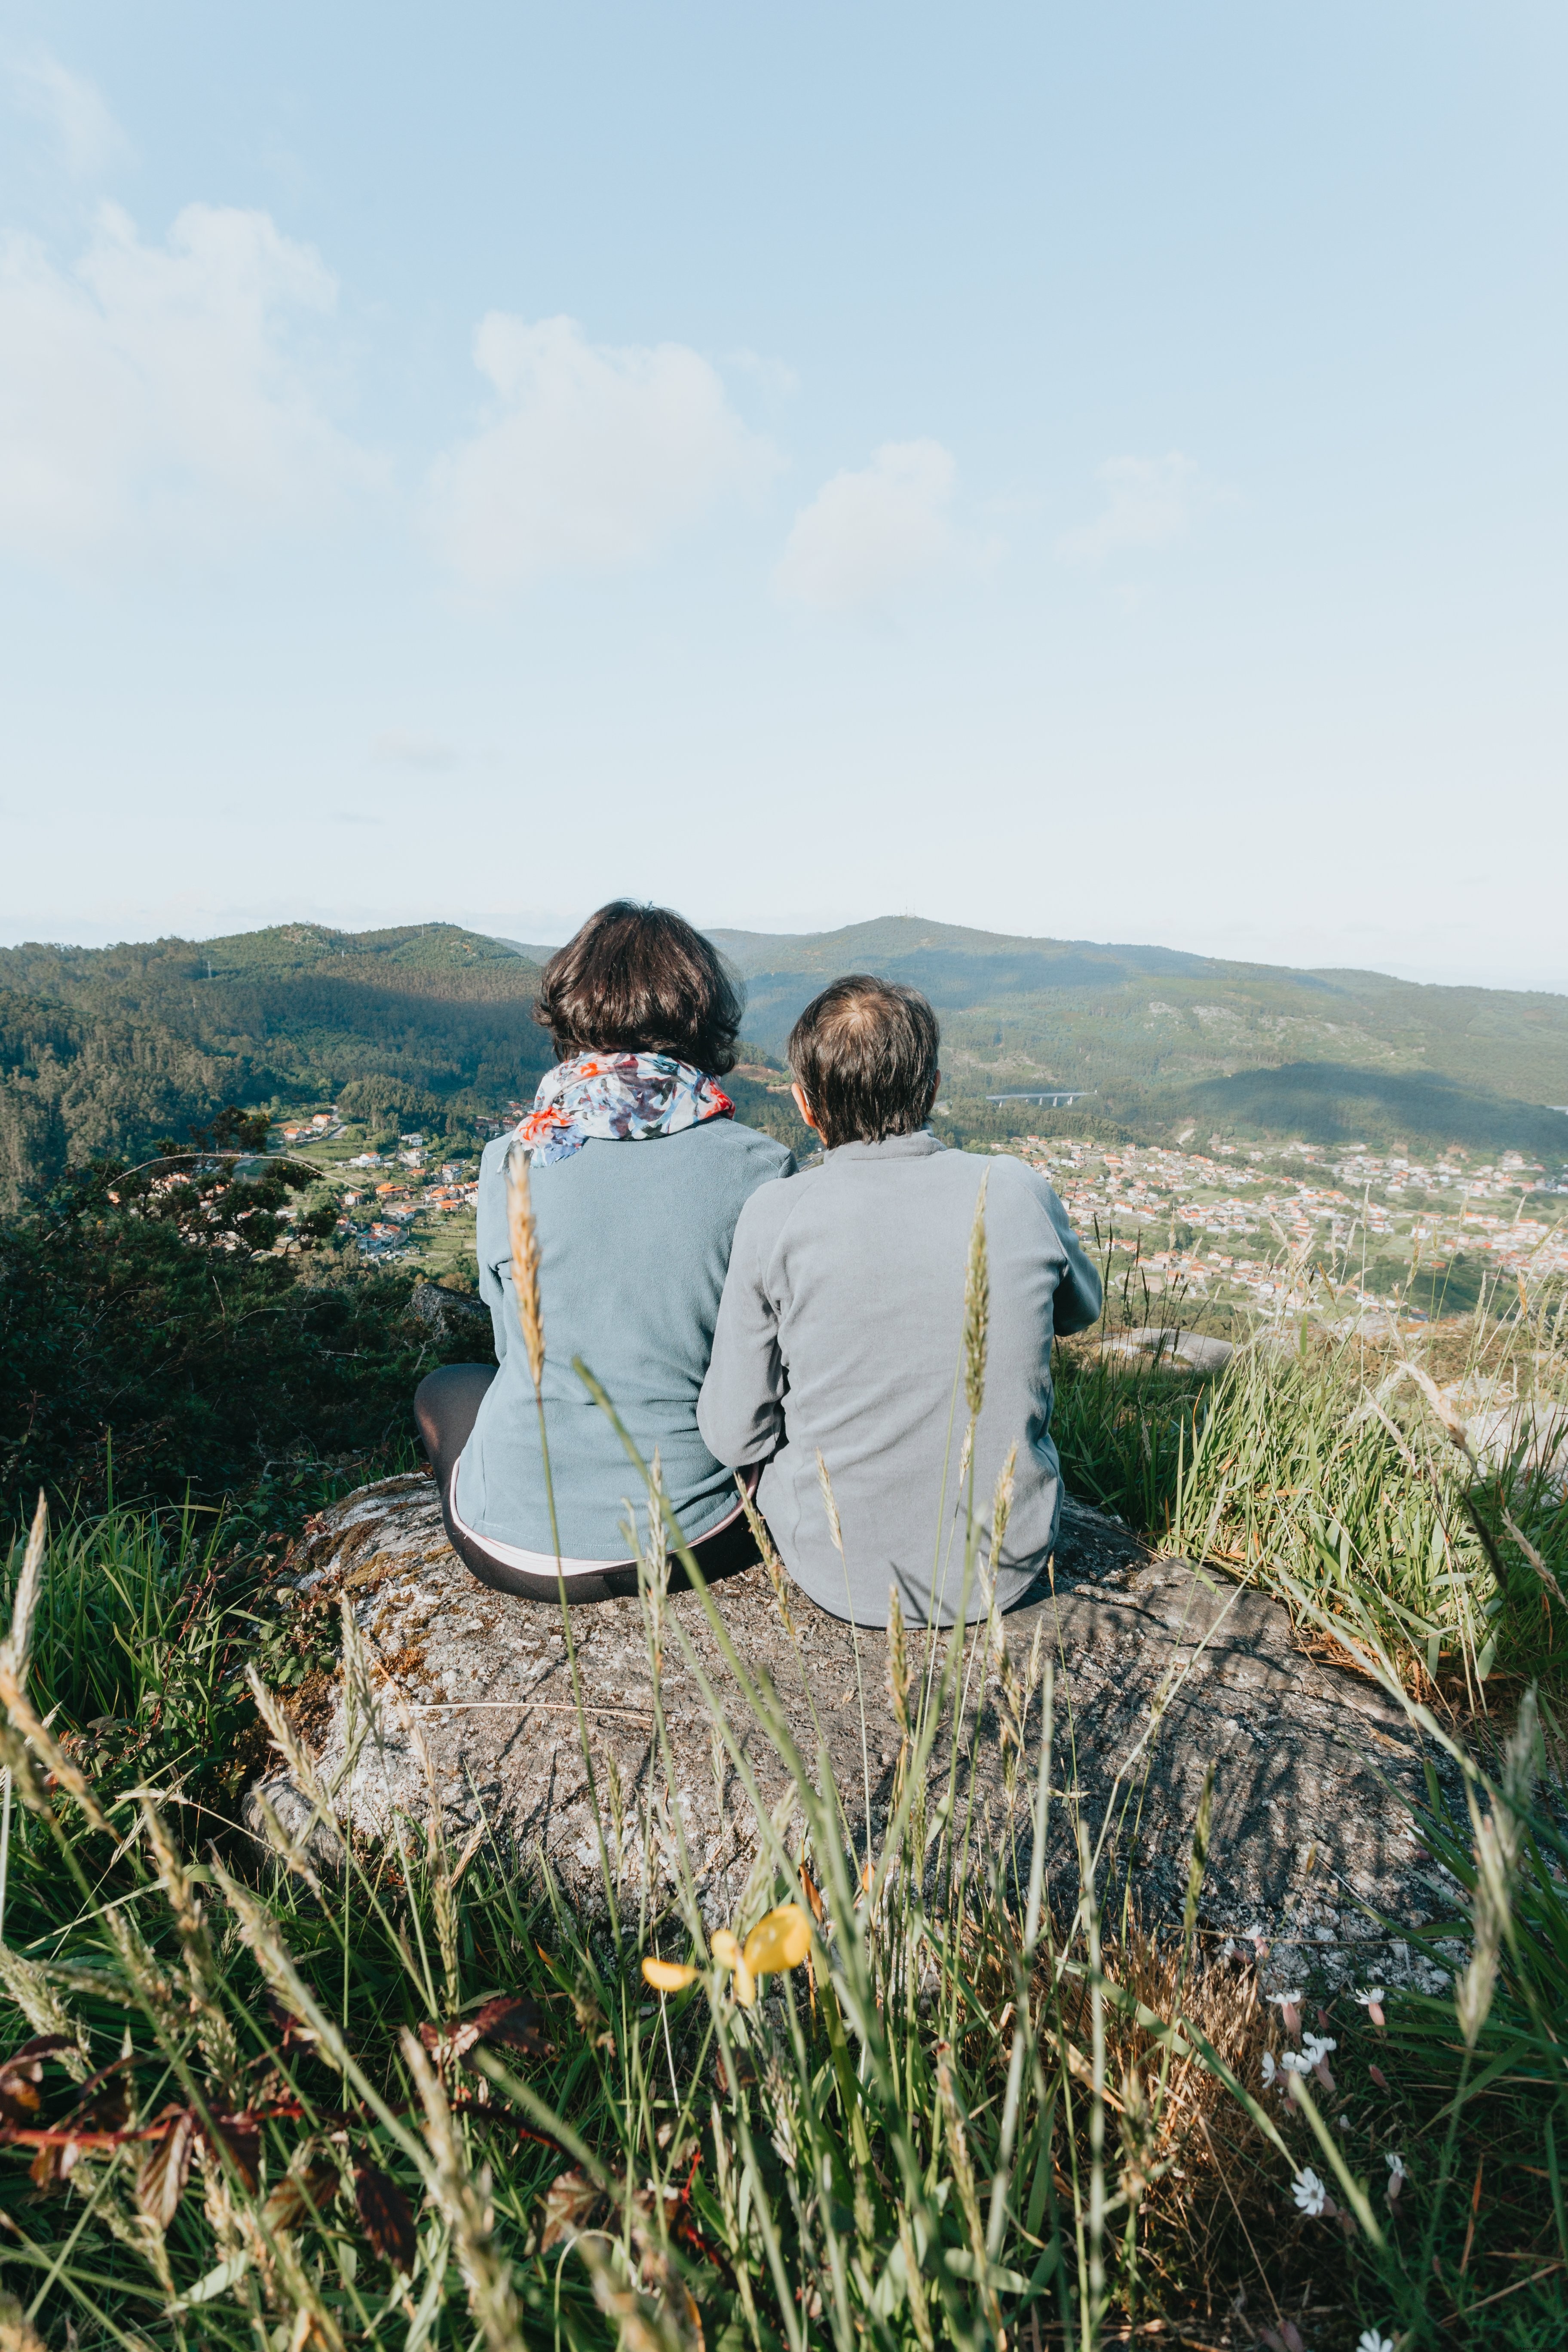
point(1366, 1998)
point(1310, 2193)
point(1372, 2339)
point(1269, 2070)
point(1396, 2165)
point(1316, 2046)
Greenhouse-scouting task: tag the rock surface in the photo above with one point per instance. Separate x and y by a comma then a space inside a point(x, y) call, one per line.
point(1309, 1839)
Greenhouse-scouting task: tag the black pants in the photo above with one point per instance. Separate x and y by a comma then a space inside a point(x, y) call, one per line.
point(445, 1406)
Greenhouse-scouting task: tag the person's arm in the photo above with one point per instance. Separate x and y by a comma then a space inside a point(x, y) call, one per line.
point(492, 1245)
point(1079, 1296)
point(740, 1411)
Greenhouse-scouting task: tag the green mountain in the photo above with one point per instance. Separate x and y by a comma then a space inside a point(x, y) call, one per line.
point(104, 1049)
point(1158, 1039)
point(101, 1049)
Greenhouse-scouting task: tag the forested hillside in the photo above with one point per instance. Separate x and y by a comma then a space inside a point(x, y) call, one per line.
point(106, 1049)
point(103, 1050)
point(1157, 1037)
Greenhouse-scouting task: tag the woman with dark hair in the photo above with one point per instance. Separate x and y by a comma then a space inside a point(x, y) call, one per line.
point(637, 1170)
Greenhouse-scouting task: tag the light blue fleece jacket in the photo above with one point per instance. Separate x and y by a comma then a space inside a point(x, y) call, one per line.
point(634, 1240)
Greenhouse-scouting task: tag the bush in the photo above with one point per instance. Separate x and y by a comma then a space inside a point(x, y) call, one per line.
point(167, 1333)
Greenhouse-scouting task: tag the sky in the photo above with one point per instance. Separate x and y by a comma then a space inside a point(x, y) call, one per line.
point(1090, 473)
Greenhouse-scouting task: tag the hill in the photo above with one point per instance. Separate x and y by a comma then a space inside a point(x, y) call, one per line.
point(103, 1048)
point(1159, 1039)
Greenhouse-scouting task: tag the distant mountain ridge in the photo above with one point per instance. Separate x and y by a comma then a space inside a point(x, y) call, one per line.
point(1158, 1036)
point(102, 1049)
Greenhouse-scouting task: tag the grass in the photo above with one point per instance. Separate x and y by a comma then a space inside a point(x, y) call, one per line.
point(1415, 1482)
point(407, 2097)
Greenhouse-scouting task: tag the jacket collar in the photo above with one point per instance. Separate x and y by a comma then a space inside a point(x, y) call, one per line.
point(918, 1145)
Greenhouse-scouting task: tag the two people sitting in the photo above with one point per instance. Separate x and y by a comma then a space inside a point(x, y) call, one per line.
point(752, 1322)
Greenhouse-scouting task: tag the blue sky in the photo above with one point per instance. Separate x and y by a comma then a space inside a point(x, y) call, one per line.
point(1095, 473)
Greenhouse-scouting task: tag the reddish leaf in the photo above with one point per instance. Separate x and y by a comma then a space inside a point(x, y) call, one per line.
point(51, 2167)
point(21, 2074)
point(511, 2021)
point(161, 2183)
point(300, 2197)
point(571, 2202)
point(388, 2223)
point(454, 2040)
point(288, 2026)
point(241, 2137)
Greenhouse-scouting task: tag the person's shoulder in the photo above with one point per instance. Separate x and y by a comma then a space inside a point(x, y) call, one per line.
point(1010, 1182)
point(774, 1201)
point(755, 1139)
point(762, 1155)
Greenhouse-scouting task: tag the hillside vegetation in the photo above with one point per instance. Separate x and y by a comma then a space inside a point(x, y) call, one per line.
point(1160, 1038)
point(104, 1049)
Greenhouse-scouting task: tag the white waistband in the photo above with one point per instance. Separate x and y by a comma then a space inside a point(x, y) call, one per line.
point(544, 1563)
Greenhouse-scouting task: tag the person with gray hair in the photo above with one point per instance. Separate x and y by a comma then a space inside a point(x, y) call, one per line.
point(841, 1325)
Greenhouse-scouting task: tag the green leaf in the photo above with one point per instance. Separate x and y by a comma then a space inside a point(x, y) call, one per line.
point(964, 2265)
point(216, 2282)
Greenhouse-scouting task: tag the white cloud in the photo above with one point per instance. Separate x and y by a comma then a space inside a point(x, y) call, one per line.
point(403, 749)
point(594, 454)
point(88, 137)
point(158, 391)
point(1149, 502)
point(866, 536)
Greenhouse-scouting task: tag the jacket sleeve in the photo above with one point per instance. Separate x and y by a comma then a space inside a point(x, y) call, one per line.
point(1079, 1295)
point(491, 1246)
point(740, 1411)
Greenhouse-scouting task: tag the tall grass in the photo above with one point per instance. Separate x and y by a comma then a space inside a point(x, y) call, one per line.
point(912, 2093)
point(1421, 1474)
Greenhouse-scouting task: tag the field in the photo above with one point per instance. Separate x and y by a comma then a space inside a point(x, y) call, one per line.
point(909, 2094)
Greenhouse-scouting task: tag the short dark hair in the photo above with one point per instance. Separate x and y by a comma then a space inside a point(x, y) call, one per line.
point(864, 1053)
point(639, 980)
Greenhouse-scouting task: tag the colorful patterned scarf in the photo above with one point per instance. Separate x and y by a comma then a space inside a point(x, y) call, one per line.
point(618, 1096)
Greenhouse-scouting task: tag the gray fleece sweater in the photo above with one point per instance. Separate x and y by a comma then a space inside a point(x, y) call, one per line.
point(840, 1330)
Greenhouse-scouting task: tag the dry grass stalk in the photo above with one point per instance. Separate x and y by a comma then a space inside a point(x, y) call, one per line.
point(771, 1564)
point(291, 1748)
point(17, 2333)
point(15, 1651)
point(1496, 1851)
point(829, 1504)
point(29, 1725)
point(29, 1985)
point(214, 2032)
point(463, 2200)
point(976, 1307)
point(523, 1235)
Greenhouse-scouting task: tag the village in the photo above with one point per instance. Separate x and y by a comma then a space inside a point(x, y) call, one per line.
point(1242, 1226)
point(394, 1204)
point(1270, 1226)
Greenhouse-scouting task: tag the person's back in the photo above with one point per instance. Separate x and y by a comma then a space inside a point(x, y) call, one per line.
point(631, 1171)
point(634, 1240)
point(842, 1330)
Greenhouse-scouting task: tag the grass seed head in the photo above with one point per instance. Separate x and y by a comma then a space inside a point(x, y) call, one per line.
point(523, 1235)
point(976, 1307)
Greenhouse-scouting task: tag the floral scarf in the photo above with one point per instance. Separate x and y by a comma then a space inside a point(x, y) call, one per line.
point(619, 1097)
